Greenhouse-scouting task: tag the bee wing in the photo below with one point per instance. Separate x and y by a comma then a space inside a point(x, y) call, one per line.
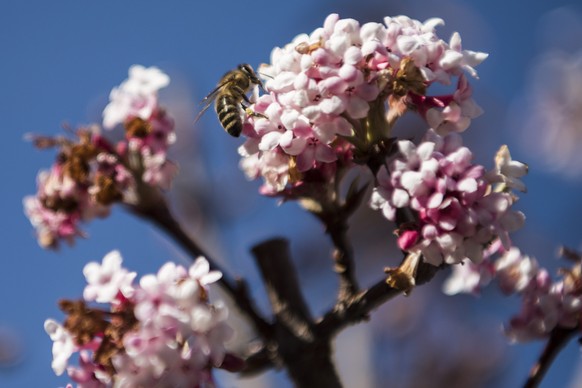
point(209, 99)
point(207, 102)
point(204, 109)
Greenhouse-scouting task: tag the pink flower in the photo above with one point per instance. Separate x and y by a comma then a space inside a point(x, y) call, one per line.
point(320, 85)
point(515, 271)
point(135, 97)
point(158, 171)
point(457, 217)
point(468, 277)
point(88, 374)
point(457, 110)
point(540, 311)
point(171, 334)
point(51, 227)
point(91, 173)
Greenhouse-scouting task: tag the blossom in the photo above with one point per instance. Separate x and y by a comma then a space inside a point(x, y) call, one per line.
point(92, 173)
point(105, 281)
point(468, 277)
point(79, 187)
point(508, 171)
point(135, 97)
point(454, 113)
point(471, 278)
point(539, 314)
point(51, 227)
point(515, 271)
point(456, 214)
point(63, 345)
point(321, 86)
point(158, 171)
point(88, 374)
point(149, 129)
point(162, 331)
point(61, 203)
point(548, 304)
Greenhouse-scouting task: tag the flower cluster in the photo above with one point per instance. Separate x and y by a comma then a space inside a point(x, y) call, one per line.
point(91, 173)
point(550, 117)
point(546, 304)
point(510, 268)
point(149, 131)
point(160, 332)
point(327, 89)
point(455, 213)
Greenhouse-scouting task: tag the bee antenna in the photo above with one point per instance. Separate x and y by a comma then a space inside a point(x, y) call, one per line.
point(265, 75)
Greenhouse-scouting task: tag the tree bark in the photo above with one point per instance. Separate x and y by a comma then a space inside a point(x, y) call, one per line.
point(306, 356)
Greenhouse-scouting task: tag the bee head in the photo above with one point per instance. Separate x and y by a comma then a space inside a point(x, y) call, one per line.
point(249, 72)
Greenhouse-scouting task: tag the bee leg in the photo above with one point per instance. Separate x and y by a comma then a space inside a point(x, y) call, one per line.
point(239, 91)
point(252, 113)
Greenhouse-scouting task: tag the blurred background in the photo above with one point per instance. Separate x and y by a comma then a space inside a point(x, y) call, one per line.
point(59, 60)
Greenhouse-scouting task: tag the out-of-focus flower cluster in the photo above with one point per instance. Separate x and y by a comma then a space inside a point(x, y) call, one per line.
point(328, 93)
point(546, 304)
point(91, 173)
point(162, 331)
point(551, 118)
point(456, 213)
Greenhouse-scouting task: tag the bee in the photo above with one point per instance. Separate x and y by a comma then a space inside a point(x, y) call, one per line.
point(228, 97)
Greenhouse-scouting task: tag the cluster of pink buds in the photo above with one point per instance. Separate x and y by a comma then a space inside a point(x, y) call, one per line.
point(91, 173)
point(160, 332)
point(445, 206)
point(328, 93)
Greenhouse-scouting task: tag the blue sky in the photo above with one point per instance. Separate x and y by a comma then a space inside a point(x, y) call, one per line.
point(60, 60)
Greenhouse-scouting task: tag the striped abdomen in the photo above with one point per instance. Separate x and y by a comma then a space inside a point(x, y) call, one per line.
point(228, 111)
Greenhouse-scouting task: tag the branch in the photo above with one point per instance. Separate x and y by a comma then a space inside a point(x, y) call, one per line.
point(283, 290)
point(306, 357)
point(343, 256)
point(558, 339)
point(359, 307)
point(159, 214)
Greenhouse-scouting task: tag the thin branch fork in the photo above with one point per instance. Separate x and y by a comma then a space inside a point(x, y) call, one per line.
point(306, 356)
point(358, 308)
point(343, 256)
point(334, 218)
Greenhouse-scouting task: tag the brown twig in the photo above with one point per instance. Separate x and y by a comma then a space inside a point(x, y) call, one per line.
point(343, 256)
point(558, 339)
point(356, 309)
point(359, 307)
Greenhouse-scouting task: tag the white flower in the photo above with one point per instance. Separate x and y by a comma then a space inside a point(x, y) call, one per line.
point(106, 280)
point(515, 271)
point(200, 270)
point(136, 96)
point(145, 80)
point(63, 345)
point(508, 170)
